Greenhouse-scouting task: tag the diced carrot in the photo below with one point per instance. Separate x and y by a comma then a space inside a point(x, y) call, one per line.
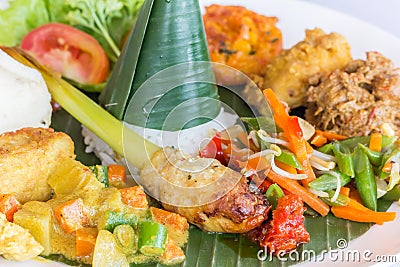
point(134, 197)
point(85, 239)
point(173, 253)
point(171, 220)
point(9, 205)
point(295, 188)
point(355, 211)
point(375, 142)
point(71, 215)
point(116, 173)
point(318, 140)
point(345, 191)
point(331, 136)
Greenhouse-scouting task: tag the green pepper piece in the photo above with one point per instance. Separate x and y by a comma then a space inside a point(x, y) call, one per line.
point(327, 181)
point(343, 159)
point(341, 200)
point(152, 238)
point(392, 195)
point(290, 159)
point(374, 157)
point(274, 192)
point(365, 179)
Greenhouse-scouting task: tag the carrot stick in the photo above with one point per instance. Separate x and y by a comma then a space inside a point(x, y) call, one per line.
point(285, 167)
point(294, 187)
point(361, 215)
point(318, 139)
point(375, 142)
point(345, 191)
point(331, 136)
point(255, 164)
point(293, 133)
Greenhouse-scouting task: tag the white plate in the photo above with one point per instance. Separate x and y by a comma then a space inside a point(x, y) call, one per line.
point(294, 17)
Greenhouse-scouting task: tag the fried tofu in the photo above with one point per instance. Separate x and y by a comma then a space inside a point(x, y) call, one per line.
point(27, 158)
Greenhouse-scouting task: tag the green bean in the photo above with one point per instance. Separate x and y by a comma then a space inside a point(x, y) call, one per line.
point(341, 200)
point(365, 179)
point(374, 157)
point(274, 192)
point(327, 149)
point(344, 159)
point(328, 181)
point(290, 159)
point(353, 142)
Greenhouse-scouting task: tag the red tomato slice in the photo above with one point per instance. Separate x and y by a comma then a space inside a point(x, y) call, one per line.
point(69, 51)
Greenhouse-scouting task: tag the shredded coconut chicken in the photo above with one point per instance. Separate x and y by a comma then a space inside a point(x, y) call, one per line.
point(357, 100)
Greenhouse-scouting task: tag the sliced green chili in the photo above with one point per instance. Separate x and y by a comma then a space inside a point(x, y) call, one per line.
point(365, 179)
point(344, 159)
point(328, 181)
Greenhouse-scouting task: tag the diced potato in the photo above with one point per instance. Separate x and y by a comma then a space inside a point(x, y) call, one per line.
point(37, 218)
point(72, 177)
point(107, 253)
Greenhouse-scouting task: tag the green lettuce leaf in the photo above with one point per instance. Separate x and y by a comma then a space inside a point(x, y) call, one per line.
point(19, 18)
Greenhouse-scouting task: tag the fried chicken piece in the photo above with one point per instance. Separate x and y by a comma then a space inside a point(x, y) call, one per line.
point(208, 194)
point(241, 39)
point(290, 73)
point(27, 158)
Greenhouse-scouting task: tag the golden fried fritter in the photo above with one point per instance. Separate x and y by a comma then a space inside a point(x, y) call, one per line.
point(27, 158)
point(227, 205)
point(242, 39)
point(290, 73)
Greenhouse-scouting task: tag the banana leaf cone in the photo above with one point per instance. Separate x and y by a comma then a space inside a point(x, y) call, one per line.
point(163, 78)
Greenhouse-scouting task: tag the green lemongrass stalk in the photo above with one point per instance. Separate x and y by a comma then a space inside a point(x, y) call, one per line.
point(114, 132)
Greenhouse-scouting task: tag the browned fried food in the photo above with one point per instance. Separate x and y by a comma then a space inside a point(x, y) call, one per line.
point(290, 74)
point(27, 158)
point(242, 39)
point(237, 211)
point(359, 99)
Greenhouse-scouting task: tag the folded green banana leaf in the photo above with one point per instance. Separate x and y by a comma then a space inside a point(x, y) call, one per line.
point(160, 68)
